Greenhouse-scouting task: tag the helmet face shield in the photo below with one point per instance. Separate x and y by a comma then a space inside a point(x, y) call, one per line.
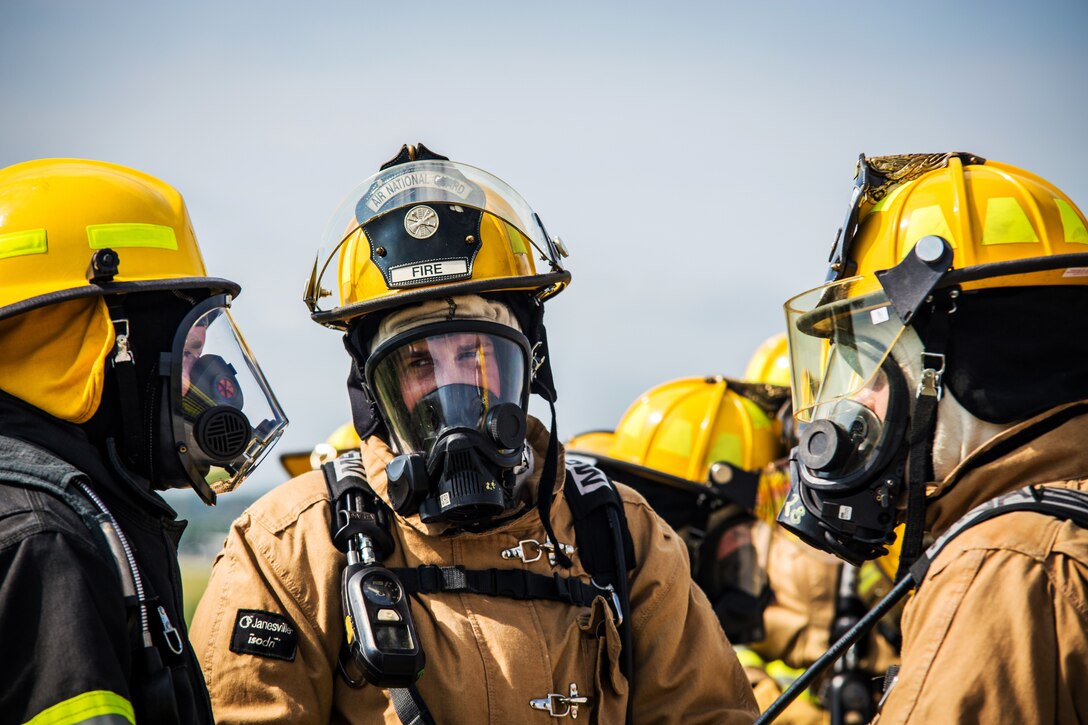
point(428, 224)
point(838, 345)
point(432, 380)
point(224, 415)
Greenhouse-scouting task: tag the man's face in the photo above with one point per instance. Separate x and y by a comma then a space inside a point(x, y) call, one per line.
point(466, 358)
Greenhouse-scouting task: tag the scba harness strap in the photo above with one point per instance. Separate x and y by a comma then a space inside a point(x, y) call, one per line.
point(1061, 503)
point(602, 538)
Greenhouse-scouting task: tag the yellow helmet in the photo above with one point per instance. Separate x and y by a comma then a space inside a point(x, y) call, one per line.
point(923, 222)
point(78, 239)
point(341, 440)
point(957, 265)
point(594, 442)
point(55, 214)
point(425, 227)
point(770, 363)
point(684, 426)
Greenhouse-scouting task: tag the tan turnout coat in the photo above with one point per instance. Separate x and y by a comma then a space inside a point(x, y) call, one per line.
point(998, 631)
point(487, 657)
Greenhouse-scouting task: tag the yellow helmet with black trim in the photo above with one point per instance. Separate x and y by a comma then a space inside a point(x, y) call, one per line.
point(56, 213)
point(987, 211)
point(684, 426)
point(594, 442)
point(425, 227)
point(945, 278)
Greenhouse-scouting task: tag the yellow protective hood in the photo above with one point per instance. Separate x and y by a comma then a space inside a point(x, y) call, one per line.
point(54, 357)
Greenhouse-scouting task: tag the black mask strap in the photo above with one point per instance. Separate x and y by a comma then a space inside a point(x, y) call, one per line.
point(923, 425)
point(124, 367)
point(546, 490)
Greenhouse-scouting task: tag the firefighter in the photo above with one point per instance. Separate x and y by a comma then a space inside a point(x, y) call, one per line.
point(121, 374)
point(940, 371)
point(460, 569)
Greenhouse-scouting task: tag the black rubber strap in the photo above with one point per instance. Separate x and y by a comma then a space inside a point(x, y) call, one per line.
point(410, 707)
point(509, 583)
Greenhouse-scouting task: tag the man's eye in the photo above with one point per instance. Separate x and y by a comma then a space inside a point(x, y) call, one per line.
point(419, 363)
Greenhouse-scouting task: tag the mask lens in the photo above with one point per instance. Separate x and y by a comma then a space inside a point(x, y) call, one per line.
point(838, 340)
point(427, 385)
point(223, 409)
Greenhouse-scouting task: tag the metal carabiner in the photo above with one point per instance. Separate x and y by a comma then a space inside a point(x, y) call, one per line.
point(615, 599)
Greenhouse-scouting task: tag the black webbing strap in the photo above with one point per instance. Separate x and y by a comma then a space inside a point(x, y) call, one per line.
point(124, 367)
point(356, 509)
point(605, 548)
point(410, 707)
point(509, 583)
point(1061, 503)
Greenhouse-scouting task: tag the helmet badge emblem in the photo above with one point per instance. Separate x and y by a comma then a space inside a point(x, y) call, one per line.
point(421, 222)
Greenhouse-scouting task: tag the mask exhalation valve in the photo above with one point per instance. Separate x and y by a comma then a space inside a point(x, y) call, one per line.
point(222, 432)
point(824, 446)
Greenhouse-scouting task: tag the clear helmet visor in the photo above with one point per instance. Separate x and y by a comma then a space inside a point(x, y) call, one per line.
point(838, 345)
point(428, 384)
point(441, 197)
point(225, 416)
point(839, 355)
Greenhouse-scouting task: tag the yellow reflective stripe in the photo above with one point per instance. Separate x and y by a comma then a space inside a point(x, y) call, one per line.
point(748, 658)
point(784, 675)
point(18, 244)
point(1072, 223)
point(927, 220)
point(1006, 223)
point(97, 703)
point(517, 242)
point(154, 236)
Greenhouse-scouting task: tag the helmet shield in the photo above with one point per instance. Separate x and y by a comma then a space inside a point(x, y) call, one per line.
point(838, 345)
point(427, 223)
point(224, 414)
point(446, 376)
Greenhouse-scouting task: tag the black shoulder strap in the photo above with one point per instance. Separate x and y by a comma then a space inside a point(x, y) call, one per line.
point(1063, 503)
point(590, 494)
point(605, 548)
point(356, 509)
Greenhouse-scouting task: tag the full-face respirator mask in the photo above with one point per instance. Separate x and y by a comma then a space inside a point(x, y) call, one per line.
point(453, 397)
point(219, 416)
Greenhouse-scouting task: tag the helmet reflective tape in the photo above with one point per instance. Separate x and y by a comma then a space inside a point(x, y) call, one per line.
point(18, 244)
point(149, 236)
point(1072, 223)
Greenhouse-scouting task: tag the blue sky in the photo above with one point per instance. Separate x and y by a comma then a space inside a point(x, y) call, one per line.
point(696, 158)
